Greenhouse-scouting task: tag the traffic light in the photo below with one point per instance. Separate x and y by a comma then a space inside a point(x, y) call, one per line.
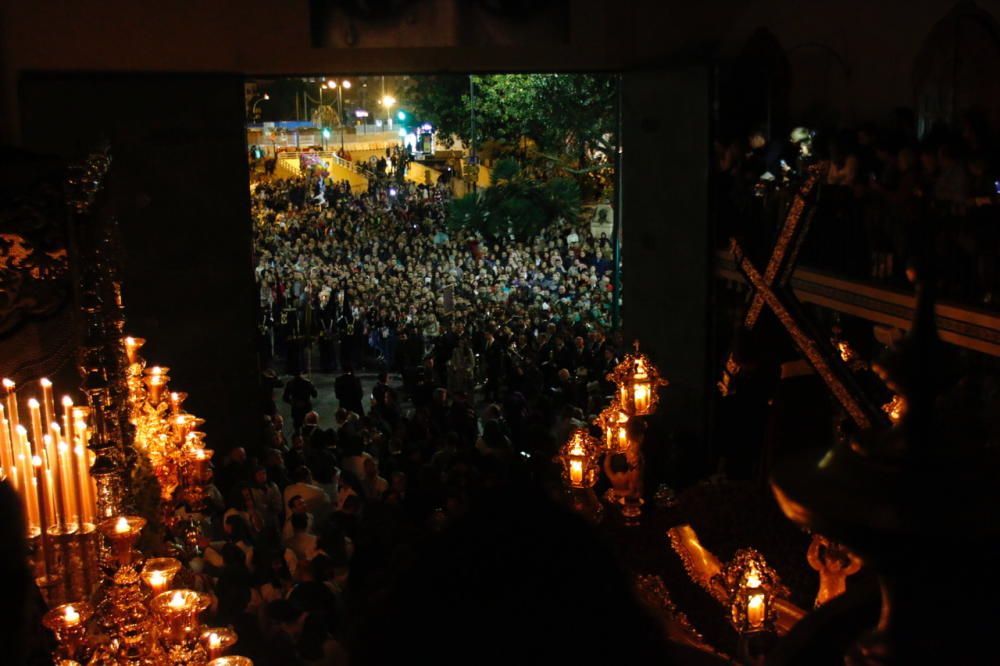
point(401, 115)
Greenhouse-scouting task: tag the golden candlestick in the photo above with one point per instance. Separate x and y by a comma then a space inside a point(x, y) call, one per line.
point(68, 623)
point(158, 573)
point(217, 640)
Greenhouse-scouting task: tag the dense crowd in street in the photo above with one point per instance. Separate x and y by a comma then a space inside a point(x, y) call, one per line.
point(365, 275)
point(332, 525)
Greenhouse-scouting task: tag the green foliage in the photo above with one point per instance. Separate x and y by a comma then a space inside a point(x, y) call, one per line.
point(515, 204)
point(569, 119)
point(505, 169)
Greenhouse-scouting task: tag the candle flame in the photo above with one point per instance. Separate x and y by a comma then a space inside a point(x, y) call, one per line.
point(8, 384)
point(32, 404)
point(157, 579)
point(36, 461)
point(67, 401)
point(70, 615)
point(122, 526)
point(21, 430)
point(214, 641)
point(177, 600)
point(156, 370)
point(45, 382)
point(63, 447)
point(130, 341)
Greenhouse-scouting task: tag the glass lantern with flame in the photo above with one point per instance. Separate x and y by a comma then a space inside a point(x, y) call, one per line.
point(751, 586)
point(638, 381)
point(613, 422)
point(579, 460)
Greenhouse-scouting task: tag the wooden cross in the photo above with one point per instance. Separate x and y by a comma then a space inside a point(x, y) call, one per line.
point(769, 289)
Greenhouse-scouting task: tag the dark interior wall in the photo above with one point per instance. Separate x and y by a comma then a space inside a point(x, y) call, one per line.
point(665, 244)
point(180, 190)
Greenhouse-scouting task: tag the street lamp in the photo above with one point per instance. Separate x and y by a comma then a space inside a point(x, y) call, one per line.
point(387, 102)
point(253, 109)
point(344, 85)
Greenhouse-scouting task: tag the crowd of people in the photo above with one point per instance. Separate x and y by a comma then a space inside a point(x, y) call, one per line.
point(334, 523)
point(887, 201)
point(366, 275)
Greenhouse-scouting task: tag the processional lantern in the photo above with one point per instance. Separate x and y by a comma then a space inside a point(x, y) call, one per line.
point(638, 381)
point(579, 460)
point(752, 587)
point(613, 422)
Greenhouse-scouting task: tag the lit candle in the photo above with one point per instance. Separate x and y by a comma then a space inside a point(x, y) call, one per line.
point(52, 500)
point(755, 610)
point(48, 406)
point(67, 420)
point(214, 645)
point(177, 601)
point(156, 381)
point(36, 427)
point(122, 526)
point(641, 398)
point(27, 475)
point(11, 404)
point(132, 346)
point(70, 616)
point(157, 581)
point(576, 471)
point(86, 500)
point(7, 451)
point(71, 511)
point(43, 515)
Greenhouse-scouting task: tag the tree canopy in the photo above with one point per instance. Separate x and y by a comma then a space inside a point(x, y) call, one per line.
point(515, 204)
point(566, 119)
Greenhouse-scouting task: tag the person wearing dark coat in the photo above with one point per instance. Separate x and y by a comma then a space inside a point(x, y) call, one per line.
point(299, 393)
point(348, 390)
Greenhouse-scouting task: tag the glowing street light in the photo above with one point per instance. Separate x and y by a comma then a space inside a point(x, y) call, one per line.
point(253, 109)
point(388, 101)
point(343, 85)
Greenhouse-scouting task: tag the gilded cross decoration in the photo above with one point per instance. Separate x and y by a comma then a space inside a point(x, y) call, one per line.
point(770, 290)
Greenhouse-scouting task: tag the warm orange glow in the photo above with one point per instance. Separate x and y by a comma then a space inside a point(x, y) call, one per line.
point(8, 384)
point(576, 471)
point(214, 642)
point(70, 616)
point(177, 601)
point(641, 398)
point(122, 526)
point(157, 580)
point(755, 610)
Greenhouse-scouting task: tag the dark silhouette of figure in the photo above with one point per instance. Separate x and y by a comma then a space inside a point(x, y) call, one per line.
point(299, 393)
point(348, 390)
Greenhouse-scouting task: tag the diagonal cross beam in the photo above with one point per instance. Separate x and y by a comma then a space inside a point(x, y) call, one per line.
point(786, 248)
point(827, 364)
